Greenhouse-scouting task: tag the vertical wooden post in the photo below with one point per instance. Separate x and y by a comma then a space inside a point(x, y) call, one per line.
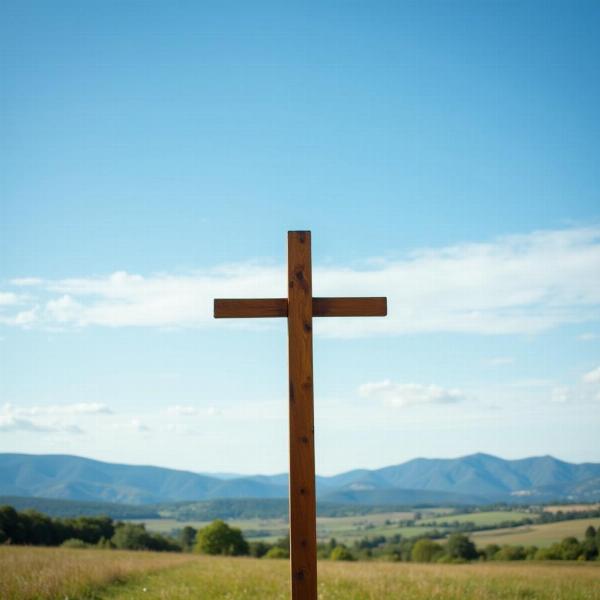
point(303, 513)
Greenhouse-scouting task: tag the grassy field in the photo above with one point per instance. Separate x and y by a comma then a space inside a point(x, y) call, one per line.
point(571, 508)
point(50, 574)
point(535, 535)
point(482, 519)
point(342, 528)
point(348, 529)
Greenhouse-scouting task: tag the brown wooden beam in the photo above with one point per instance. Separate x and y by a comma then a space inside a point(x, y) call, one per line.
point(321, 307)
point(303, 512)
point(252, 308)
point(349, 307)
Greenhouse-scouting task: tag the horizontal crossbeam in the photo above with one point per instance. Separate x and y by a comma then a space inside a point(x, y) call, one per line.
point(250, 308)
point(350, 307)
point(253, 308)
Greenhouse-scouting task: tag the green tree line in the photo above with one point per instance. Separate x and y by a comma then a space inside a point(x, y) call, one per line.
point(30, 527)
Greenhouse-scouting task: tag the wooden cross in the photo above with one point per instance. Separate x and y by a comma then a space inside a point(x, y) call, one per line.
point(299, 308)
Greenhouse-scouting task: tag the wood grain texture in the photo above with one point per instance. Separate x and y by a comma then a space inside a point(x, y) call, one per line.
point(303, 521)
point(349, 307)
point(251, 308)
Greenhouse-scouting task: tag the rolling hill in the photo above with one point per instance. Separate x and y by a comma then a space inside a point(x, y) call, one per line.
point(473, 479)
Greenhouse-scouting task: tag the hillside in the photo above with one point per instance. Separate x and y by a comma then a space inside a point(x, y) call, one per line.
point(474, 479)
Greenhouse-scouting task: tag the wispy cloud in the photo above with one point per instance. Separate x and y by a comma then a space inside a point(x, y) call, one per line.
point(78, 408)
point(135, 425)
point(11, 423)
point(561, 394)
point(409, 394)
point(515, 284)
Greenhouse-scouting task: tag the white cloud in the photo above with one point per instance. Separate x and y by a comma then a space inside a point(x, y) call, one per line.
point(593, 376)
point(587, 337)
point(24, 318)
point(8, 299)
point(515, 284)
point(409, 394)
point(78, 408)
point(11, 423)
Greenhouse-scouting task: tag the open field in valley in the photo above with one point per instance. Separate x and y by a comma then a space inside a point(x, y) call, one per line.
point(480, 519)
point(344, 529)
point(51, 574)
point(571, 507)
point(348, 529)
point(535, 535)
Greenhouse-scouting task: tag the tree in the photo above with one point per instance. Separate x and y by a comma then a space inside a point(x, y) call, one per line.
point(259, 549)
point(220, 538)
point(459, 546)
point(11, 529)
point(426, 550)
point(187, 538)
point(130, 536)
point(570, 548)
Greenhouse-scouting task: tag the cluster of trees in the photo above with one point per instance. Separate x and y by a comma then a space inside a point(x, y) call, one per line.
point(459, 548)
point(33, 528)
point(568, 515)
point(569, 549)
point(30, 527)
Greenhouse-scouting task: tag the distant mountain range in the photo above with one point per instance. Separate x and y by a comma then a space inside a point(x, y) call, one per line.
point(473, 479)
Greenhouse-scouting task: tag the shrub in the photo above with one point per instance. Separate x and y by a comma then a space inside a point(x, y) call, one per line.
point(277, 552)
point(74, 543)
point(130, 536)
point(341, 553)
point(510, 553)
point(490, 551)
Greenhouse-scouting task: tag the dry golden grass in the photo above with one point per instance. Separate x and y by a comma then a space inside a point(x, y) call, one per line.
point(48, 573)
point(571, 507)
point(534, 535)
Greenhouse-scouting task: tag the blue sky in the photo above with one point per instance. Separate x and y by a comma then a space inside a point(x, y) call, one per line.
point(153, 156)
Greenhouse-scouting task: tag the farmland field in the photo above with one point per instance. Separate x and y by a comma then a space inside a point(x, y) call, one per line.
point(342, 528)
point(567, 508)
point(348, 529)
point(51, 574)
point(535, 535)
point(480, 519)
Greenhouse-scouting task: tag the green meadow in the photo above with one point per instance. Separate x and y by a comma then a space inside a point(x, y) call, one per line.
point(56, 574)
